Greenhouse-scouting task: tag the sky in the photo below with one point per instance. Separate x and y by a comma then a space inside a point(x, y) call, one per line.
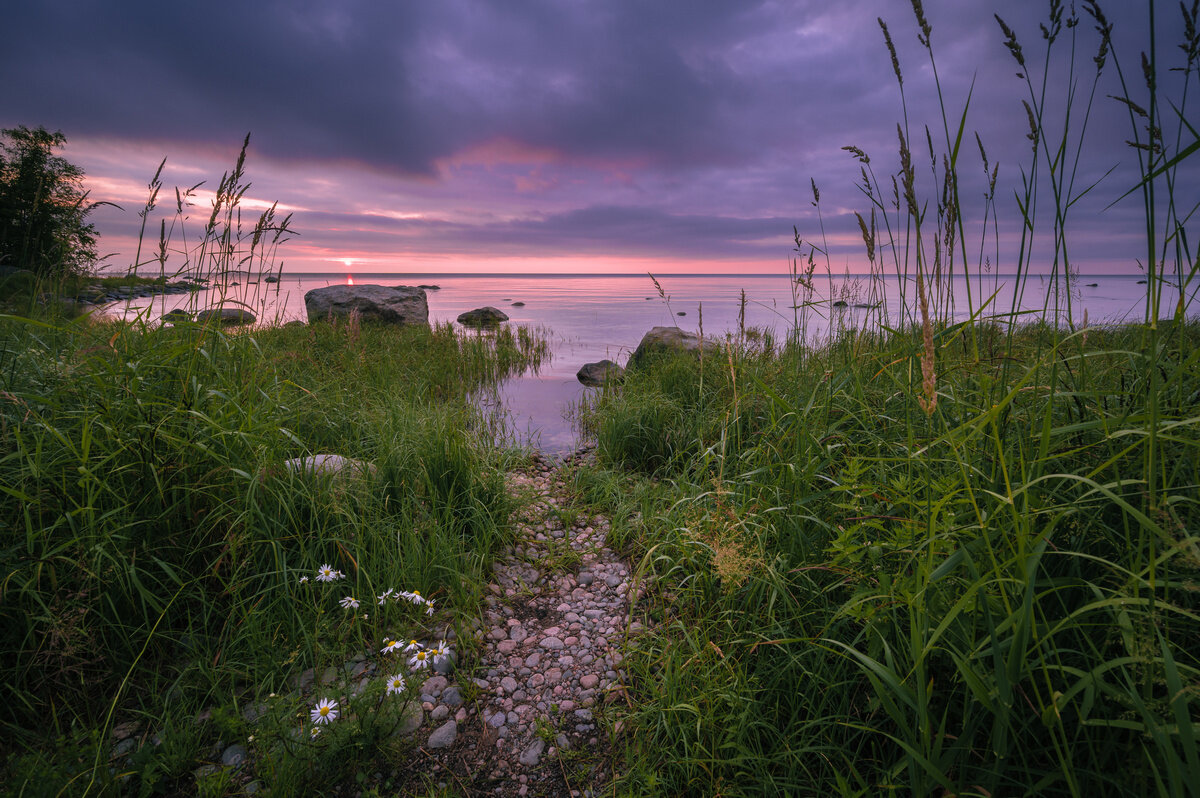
point(582, 136)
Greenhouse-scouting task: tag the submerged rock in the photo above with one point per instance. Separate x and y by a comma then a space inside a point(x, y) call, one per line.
point(482, 317)
point(396, 304)
point(597, 374)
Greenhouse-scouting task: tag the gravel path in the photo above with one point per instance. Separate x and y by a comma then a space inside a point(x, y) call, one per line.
point(549, 658)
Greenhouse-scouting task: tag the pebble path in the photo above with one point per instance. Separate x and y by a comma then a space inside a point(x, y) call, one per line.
point(548, 663)
point(535, 710)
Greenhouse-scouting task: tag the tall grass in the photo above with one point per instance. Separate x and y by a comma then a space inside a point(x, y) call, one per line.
point(954, 557)
point(153, 540)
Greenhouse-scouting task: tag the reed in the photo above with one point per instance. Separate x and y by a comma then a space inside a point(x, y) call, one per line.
point(952, 555)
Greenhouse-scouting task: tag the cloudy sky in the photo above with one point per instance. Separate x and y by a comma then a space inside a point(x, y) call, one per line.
point(572, 135)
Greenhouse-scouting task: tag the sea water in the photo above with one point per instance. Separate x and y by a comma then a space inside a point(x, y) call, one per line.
point(594, 317)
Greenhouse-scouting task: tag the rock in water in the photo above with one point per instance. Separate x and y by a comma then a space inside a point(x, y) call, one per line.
point(667, 340)
point(596, 375)
point(482, 317)
point(178, 314)
point(224, 315)
point(397, 304)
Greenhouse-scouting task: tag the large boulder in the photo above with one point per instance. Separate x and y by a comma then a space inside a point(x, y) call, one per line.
point(667, 340)
point(482, 317)
point(595, 375)
point(390, 304)
point(225, 315)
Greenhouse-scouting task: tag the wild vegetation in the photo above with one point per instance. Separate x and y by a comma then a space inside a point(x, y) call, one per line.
point(945, 558)
point(161, 562)
point(939, 557)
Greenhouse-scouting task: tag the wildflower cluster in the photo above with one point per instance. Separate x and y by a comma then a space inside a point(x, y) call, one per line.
point(419, 656)
point(413, 597)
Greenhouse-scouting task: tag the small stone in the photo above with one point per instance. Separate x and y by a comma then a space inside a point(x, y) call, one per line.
point(440, 712)
point(589, 680)
point(552, 643)
point(585, 578)
point(497, 720)
point(411, 720)
point(533, 754)
point(451, 697)
point(612, 580)
point(234, 756)
point(434, 685)
point(508, 684)
point(443, 736)
point(533, 659)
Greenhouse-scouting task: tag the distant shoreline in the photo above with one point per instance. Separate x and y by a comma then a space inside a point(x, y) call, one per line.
point(360, 275)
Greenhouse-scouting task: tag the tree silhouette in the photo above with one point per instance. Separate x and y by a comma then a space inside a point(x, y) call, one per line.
point(43, 206)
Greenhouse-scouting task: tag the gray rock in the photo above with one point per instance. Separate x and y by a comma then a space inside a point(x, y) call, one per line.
point(552, 643)
point(482, 317)
point(411, 720)
point(668, 340)
point(533, 754)
point(234, 756)
point(497, 720)
point(400, 304)
point(226, 315)
point(177, 315)
point(444, 736)
point(446, 666)
point(597, 374)
point(451, 697)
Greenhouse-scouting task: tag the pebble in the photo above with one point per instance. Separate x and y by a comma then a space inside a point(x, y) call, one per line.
point(443, 736)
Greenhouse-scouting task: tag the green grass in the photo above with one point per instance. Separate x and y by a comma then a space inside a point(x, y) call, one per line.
point(154, 541)
point(954, 558)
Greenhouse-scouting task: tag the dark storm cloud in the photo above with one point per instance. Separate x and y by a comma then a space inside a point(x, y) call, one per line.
point(676, 127)
point(395, 85)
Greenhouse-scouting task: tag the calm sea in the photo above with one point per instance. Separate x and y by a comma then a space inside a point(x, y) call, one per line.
point(593, 317)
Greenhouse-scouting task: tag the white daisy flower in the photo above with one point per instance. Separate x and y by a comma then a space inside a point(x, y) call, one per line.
point(349, 603)
point(413, 645)
point(387, 594)
point(326, 573)
point(419, 660)
point(389, 646)
point(303, 579)
point(314, 732)
point(440, 653)
point(324, 712)
point(429, 609)
point(395, 684)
